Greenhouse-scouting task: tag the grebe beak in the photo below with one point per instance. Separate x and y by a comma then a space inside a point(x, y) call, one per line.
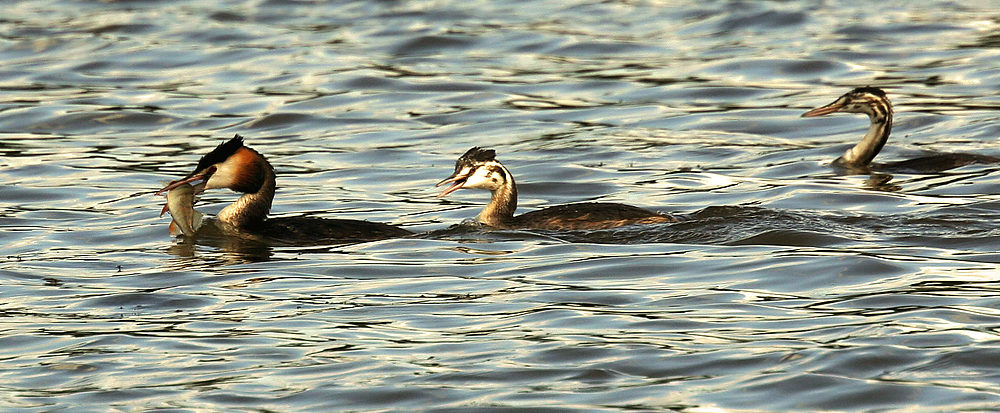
point(457, 180)
point(194, 177)
point(824, 110)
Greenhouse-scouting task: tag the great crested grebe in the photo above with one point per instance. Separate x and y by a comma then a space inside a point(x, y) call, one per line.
point(239, 168)
point(478, 168)
point(873, 102)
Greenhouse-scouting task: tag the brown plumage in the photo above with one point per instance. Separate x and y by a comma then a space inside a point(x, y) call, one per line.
point(242, 169)
point(478, 168)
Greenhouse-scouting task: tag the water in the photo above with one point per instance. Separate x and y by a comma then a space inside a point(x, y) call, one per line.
point(787, 285)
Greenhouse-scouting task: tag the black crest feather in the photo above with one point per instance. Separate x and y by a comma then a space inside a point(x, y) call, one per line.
point(220, 153)
point(477, 154)
point(869, 89)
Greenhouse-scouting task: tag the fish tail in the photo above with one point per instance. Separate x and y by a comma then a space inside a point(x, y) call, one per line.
point(196, 218)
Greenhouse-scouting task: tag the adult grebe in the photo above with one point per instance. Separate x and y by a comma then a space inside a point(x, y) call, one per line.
point(241, 169)
point(478, 168)
point(873, 102)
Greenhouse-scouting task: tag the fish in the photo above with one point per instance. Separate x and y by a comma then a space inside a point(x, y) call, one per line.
point(180, 204)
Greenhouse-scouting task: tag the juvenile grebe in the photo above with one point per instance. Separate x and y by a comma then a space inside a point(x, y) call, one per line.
point(478, 168)
point(241, 169)
point(873, 102)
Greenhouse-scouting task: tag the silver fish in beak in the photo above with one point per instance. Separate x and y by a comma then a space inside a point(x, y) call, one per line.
point(180, 204)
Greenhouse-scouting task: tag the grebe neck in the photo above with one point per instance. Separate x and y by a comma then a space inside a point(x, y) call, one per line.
point(251, 209)
point(499, 212)
point(862, 154)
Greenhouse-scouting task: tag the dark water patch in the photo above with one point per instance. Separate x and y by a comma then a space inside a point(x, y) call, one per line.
point(574, 356)
point(864, 30)
point(939, 340)
point(381, 397)
point(770, 19)
point(594, 48)
point(719, 93)
point(229, 35)
point(372, 82)
point(744, 225)
point(432, 45)
point(228, 16)
point(94, 122)
point(869, 361)
point(809, 392)
point(792, 238)
point(122, 28)
point(986, 41)
point(977, 361)
point(29, 195)
point(765, 123)
point(143, 301)
point(681, 366)
point(280, 121)
point(474, 232)
point(447, 87)
point(768, 68)
point(466, 116)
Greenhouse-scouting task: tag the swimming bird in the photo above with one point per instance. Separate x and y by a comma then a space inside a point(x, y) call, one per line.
point(241, 169)
point(873, 102)
point(478, 168)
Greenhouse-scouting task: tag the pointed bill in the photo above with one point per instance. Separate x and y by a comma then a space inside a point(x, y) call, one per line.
point(823, 110)
point(457, 180)
point(182, 181)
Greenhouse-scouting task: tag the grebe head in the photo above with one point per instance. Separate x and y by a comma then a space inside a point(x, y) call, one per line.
point(477, 168)
point(230, 165)
point(868, 100)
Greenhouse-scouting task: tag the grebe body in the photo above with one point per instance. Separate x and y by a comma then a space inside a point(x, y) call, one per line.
point(478, 168)
point(241, 169)
point(873, 102)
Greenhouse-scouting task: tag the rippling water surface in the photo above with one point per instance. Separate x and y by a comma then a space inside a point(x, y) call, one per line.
point(787, 284)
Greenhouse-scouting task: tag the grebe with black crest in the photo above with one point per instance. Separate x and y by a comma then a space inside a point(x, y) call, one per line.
point(873, 102)
point(241, 169)
point(478, 168)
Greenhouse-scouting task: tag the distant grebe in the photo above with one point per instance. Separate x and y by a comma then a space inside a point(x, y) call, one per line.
point(478, 168)
point(239, 168)
point(874, 102)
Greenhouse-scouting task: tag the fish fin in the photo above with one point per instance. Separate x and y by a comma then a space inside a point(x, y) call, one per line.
point(196, 219)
